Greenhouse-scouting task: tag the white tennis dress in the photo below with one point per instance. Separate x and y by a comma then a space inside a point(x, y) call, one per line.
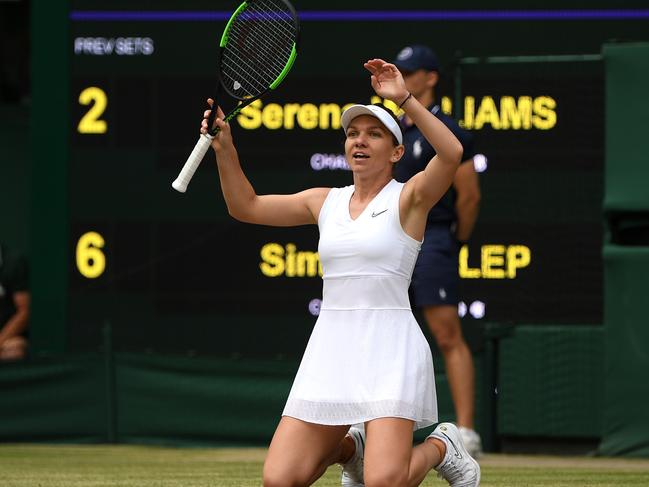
point(367, 358)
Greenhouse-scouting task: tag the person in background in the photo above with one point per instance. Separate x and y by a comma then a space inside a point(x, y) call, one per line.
point(14, 306)
point(435, 281)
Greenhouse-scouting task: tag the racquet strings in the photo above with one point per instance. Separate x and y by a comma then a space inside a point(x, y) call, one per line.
point(260, 42)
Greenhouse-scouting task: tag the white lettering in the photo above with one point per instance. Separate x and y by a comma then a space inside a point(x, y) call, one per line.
point(121, 46)
point(329, 161)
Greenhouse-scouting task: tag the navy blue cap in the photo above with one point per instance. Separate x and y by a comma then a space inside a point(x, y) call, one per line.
point(416, 57)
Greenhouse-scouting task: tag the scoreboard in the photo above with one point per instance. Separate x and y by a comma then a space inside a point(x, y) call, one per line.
point(173, 272)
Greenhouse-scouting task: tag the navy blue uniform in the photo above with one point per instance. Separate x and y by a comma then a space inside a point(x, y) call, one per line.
point(435, 279)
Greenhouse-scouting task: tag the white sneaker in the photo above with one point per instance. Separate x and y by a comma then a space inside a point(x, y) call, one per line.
point(353, 468)
point(472, 441)
point(457, 467)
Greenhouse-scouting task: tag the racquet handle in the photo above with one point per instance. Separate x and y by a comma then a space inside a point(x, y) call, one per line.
point(193, 161)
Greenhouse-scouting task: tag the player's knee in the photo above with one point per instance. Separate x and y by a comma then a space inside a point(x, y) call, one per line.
point(387, 478)
point(273, 477)
point(271, 480)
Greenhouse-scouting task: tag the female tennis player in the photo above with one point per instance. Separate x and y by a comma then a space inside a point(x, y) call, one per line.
point(367, 361)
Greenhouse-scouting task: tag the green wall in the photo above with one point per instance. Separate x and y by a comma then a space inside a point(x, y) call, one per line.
point(549, 386)
point(49, 143)
point(626, 252)
point(15, 177)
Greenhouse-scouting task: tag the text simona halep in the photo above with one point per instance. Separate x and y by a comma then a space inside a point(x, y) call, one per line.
point(495, 262)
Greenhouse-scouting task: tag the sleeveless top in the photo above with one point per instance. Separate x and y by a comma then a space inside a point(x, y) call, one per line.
point(367, 262)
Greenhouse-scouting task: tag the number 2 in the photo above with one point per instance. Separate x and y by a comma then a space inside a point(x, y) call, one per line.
point(90, 123)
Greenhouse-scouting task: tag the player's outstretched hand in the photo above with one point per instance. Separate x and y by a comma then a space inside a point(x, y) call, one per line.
point(386, 80)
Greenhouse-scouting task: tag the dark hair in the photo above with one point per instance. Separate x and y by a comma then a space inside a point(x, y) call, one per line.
point(394, 117)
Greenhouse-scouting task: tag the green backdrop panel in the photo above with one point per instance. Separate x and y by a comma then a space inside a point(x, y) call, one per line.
point(153, 399)
point(49, 191)
point(627, 105)
point(199, 400)
point(626, 403)
point(59, 399)
point(550, 382)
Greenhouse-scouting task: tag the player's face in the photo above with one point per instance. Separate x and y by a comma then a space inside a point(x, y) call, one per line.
point(369, 144)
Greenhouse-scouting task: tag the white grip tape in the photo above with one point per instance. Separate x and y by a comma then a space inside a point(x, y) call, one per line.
point(193, 161)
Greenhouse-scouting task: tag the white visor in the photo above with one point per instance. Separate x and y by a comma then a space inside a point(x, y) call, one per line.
point(374, 111)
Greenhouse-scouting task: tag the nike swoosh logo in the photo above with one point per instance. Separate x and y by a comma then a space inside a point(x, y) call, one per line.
point(377, 214)
point(457, 452)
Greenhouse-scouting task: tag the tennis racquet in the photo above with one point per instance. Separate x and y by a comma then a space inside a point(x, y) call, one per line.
point(257, 50)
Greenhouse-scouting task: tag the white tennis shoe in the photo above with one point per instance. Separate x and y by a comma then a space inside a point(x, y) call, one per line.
point(457, 467)
point(353, 468)
point(472, 441)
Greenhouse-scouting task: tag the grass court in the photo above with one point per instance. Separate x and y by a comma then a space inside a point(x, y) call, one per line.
point(141, 466)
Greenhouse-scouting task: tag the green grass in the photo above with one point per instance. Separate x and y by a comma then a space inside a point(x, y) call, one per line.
point(135, 466)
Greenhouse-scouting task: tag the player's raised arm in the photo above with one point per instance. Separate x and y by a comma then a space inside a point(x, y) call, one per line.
point(428, 186)
point(243, 202)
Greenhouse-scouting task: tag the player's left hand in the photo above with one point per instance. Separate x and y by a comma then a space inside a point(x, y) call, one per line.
point(387, 80)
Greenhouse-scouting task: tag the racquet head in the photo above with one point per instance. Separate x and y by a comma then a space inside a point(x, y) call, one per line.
point(258, 47)
point(257, 50)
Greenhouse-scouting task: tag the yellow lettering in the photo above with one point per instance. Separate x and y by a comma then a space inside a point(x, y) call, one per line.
point(545, 116)
point(307, 263)
point(465, 271)
point(91, 261)
point(278, 260)
point(469, 112)
point(394, 108)
point(90, 123)
point(522, 113)
point(518, 256)
point(290, 260)
point(516, 115)
point(307, 117)
point(273, 116)
point(447, 105)
point(272, 256)
point(487, 113)
point(290, 110)
point(250, 117)
point(329, 115)
point(496, 262)
point(493, 256)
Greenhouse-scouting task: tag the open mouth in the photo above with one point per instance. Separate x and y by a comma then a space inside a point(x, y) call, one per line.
point(359, 156)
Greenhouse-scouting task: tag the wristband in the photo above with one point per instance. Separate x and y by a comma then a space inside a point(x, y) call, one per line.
point(404, 101)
